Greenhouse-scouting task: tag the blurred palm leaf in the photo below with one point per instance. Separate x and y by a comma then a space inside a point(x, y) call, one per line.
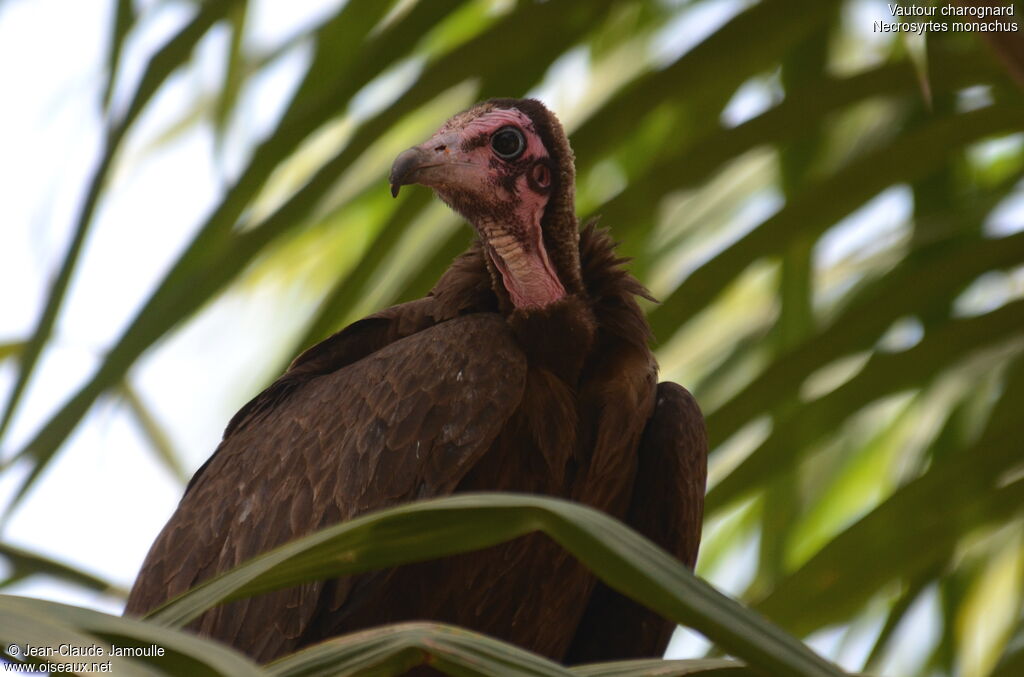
point(39, 623)
point(20, 563)
point(172, 56)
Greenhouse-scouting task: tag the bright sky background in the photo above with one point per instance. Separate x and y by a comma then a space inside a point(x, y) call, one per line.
point(51, 75)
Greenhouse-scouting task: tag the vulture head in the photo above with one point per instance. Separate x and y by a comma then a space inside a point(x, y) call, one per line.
point(505, 165)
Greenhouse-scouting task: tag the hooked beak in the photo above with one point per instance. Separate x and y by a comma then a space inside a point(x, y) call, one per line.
point(406, 166)
point(434, 163)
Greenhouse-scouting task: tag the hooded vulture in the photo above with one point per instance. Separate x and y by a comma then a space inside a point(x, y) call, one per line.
point(525, 369)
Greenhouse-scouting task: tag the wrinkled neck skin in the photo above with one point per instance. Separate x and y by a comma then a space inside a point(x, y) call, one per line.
point(517, 251)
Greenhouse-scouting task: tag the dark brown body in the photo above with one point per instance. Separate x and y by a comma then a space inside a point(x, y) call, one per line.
point(455, 392)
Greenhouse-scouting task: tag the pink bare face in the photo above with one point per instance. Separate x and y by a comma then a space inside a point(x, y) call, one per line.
point(483, 166)
point(490, 165)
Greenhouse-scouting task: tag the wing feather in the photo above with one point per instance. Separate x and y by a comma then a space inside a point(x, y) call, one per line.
point(668, 508)
point(403, 422)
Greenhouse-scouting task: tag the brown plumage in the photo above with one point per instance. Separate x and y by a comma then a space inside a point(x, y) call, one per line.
point(525, 369)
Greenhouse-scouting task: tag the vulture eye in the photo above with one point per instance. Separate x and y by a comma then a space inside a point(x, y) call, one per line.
point(508, 142)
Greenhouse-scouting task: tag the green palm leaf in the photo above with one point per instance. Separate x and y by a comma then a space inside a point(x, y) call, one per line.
point(428, 529)
point(32, 622)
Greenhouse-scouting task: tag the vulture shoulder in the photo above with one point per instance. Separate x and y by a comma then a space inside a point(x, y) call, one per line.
point(396, 407)
point(464, 288)
point(668, 508)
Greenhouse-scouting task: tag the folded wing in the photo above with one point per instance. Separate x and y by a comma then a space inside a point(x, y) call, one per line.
point(320, 446)
point(668, 508)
